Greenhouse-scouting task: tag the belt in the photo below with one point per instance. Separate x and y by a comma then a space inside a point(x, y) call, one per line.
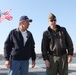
point(57, 54)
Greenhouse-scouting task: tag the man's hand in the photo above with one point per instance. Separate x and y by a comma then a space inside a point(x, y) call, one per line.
point(33, 63)
point(69, 58)
point(47, 63)
point(7, 63)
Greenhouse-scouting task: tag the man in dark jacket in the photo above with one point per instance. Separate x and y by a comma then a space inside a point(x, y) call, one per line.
point(57, 48)
point(19, 48)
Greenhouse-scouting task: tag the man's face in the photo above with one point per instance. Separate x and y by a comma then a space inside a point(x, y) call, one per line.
point(52, 22)
point(24, 25)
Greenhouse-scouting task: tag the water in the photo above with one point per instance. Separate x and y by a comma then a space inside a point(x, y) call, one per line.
point(74, 60)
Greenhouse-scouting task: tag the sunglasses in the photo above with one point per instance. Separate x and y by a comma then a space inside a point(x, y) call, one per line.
point(52, 20)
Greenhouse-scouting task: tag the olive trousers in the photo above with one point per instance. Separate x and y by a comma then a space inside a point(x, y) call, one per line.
point(58, 65)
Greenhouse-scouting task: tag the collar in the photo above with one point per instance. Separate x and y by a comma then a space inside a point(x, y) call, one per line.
point(18, 29)
point(58, 28)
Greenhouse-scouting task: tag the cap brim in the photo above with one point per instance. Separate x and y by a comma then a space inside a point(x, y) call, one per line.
point(30, 20)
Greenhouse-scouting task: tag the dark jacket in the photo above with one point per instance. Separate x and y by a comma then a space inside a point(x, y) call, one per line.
point(14, 46)
point(56, 42)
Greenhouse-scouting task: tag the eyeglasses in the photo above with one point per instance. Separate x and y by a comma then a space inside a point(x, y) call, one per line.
point(52, 20)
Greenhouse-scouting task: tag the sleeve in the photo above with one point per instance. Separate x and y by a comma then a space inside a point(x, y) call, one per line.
point(8, 46)
point(44, 47)
point(33, 54)
point(69, 43)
